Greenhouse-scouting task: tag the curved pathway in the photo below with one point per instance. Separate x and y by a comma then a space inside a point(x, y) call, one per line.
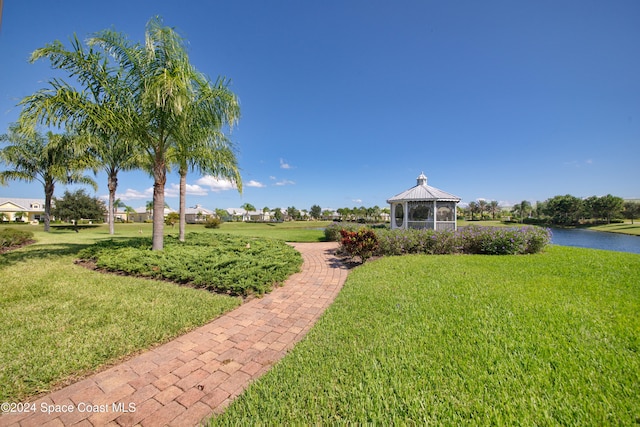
point(196, 375)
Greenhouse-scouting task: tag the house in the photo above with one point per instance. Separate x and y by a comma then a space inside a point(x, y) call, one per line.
point(239, 214)
point(197, 214)
point(142, 214)
point(22, 210)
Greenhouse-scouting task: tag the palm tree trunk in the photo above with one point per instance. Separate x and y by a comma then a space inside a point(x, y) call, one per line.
point(112, 184)
point(183, 200)
point(48, 195)
point(160, 179)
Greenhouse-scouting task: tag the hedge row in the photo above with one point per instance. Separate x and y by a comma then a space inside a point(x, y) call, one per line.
point(466, 240)
point(12, 237)
point(218, 262)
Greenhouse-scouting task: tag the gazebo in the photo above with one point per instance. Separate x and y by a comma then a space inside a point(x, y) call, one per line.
point(424, 206)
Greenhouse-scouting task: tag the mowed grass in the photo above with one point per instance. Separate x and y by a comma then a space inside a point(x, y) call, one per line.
point(623, 228)
point(59, 321)
point(545, 339)
point(294, 231)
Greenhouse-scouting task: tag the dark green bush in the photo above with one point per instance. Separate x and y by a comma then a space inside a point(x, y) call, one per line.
point(467, 240)
point(12, 237)
point(212, 222)
point(218, 262)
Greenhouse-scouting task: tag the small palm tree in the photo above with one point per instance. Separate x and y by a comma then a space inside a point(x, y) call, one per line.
point(493, 208)
point(48, 160)
point(163, 89)
point(19, 215)
point(201, 145)
point(96, 109)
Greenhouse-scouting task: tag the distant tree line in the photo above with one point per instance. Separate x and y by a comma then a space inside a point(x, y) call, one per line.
point(559, 210)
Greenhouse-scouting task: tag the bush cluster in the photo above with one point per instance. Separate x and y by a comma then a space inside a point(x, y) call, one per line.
point(12, 237)
point(218, 262)
point(212, 222)
point(466, 240)
point(332, 231)
point(362, 243)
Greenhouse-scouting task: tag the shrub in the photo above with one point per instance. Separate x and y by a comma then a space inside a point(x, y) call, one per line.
point(217, 262)
point(172, 219)
point(503, 241)
point(467, 240)
point(11, 237)
point(332, 231)
point(212, 222)
point(362, 243)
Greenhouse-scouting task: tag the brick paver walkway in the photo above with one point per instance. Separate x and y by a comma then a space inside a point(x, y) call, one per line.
point(196, 375)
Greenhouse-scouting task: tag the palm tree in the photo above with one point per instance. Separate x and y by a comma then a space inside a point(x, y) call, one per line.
point(482, 207)
point(130, 211)
point(521, 209)
point(95, 109)
point(19, 215)
point(48, 160)
point(473, 208)
point(493, 208)
point(164, 90)
point(200, 143)
point(149, 208)
point(248, 207)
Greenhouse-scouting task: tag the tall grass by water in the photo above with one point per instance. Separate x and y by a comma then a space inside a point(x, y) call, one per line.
point(545, 339)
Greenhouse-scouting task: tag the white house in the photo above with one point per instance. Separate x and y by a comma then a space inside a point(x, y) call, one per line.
point(197, 214)
point(28, 210)
point(240, 214)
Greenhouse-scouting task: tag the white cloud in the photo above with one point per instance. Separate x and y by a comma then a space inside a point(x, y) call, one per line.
point(285, 165)
point(272, 177)
point(255, 184)
point(131, 194)
point(284, 182)
point(358, 201)
point(216, 185)
point(191, 190)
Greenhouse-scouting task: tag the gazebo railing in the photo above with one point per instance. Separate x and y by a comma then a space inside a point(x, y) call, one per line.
point(420, 224)
point(440, 225)
point(446, 225)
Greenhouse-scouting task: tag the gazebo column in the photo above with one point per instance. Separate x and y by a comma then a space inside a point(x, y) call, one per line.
point(435, 215)
point(405, 218)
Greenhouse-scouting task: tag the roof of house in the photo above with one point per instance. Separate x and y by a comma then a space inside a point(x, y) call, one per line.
point(422, 191)
point(198, 209)
point(26, 205)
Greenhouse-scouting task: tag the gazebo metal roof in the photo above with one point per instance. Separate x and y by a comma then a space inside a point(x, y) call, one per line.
point(422, 191)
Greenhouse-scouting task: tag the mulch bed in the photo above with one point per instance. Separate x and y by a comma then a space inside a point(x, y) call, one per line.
point(11, 248)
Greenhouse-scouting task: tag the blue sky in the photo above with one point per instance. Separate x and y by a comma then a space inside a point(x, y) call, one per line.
point(346, 102)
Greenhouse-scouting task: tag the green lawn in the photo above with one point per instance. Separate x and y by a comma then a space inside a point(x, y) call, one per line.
point(59, 320)
point(624, 228)
point(295, 231)
point(546, 339)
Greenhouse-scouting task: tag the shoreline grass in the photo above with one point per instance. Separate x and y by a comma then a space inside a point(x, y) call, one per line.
point(621, 228)
point(545, 339)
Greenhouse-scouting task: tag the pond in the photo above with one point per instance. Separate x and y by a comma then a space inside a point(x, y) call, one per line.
point(596, 240)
